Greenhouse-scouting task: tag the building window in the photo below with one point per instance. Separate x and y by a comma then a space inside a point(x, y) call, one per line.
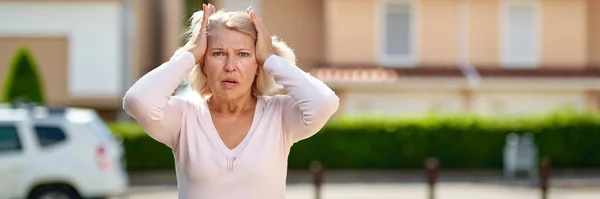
point(398, 37)
point(520, 33)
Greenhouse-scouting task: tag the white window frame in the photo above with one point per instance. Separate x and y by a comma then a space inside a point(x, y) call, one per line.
point(386, 60)
point(506, 60)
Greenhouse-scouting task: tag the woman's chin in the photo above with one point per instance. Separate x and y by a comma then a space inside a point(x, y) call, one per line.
point(227, 94)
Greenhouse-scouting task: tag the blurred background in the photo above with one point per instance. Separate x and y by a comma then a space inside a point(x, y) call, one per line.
point(439, 98)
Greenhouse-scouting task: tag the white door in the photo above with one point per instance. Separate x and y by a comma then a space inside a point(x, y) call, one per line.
point(12, 158)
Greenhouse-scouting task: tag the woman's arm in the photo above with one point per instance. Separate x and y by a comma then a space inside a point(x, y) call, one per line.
point(149, 100)
point(309, 104)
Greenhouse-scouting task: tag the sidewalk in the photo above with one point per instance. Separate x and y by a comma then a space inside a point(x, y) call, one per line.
point(446, 190)
point(562, 179)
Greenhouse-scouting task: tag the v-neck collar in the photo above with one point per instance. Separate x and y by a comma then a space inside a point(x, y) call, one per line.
point(214, 134)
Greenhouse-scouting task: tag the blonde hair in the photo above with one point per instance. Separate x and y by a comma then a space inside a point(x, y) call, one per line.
point(264, 84)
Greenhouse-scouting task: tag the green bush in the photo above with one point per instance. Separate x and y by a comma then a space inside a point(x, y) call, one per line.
point(23, 82)
point(142, 152)
point(459, 142)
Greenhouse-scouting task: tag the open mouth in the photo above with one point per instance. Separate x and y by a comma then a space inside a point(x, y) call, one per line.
point(229, 83)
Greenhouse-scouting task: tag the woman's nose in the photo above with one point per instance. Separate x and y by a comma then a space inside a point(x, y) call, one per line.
point(230, 64)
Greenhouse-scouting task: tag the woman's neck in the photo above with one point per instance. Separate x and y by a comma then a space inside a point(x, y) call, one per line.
point(240, 104)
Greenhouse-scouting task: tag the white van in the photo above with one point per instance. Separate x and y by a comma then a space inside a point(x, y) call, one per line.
point(63, 153)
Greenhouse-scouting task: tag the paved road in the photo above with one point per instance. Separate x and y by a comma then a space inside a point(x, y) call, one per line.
point(399, 190)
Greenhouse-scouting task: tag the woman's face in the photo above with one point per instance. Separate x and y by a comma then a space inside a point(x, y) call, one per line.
point(230, 63)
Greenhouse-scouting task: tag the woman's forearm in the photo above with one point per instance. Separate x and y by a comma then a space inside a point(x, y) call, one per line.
point(310, 104)
point(149, 100)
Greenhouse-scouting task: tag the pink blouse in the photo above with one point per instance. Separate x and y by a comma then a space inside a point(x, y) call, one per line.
point(205, 167)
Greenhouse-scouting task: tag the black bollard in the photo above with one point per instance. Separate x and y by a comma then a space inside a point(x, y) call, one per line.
point(431, 166)
point(544, 177)
point(317, 172)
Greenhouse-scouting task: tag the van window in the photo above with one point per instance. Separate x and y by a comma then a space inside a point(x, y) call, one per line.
point(48, 135)
point(9, 139)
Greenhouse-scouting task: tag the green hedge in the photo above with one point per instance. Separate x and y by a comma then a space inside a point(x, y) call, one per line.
point(571, 141)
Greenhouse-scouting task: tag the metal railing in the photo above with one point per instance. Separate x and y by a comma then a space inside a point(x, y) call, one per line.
point(432, 167)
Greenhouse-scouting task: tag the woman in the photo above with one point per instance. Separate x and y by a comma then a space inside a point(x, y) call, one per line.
point(235, 143)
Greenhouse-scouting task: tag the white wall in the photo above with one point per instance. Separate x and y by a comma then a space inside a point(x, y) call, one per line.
point(400, 102)
point(524, 102)
point(483, 102)
point(95, 37)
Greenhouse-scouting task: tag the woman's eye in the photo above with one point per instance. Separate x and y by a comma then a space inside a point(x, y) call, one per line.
point(244, 54)
point(217, 53)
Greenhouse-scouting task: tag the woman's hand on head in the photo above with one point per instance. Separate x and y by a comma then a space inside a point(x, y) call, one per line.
point(264, 43)
point(199, 41)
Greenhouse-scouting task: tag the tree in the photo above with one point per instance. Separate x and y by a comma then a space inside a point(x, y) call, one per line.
point(192, 6)
point(23, 82)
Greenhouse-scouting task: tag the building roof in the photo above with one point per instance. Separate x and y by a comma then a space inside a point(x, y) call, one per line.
point(378, 74)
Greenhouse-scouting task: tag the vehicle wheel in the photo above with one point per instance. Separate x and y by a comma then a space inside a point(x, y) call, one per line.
point(54, 192)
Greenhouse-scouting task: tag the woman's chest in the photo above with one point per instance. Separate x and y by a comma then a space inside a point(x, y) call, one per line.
point(232, 130)
point(260, 152)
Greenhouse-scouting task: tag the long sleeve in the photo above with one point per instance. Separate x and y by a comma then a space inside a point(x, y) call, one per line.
point(309, 104)
point(149, 100)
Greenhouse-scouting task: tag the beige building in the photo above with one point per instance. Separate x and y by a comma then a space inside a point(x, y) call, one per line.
point(381, 56)
point(411, 56)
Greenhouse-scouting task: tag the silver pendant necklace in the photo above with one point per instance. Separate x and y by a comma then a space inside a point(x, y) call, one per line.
point(230, 163)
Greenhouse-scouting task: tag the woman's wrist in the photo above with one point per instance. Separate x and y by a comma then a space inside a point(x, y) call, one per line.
point(198, 55)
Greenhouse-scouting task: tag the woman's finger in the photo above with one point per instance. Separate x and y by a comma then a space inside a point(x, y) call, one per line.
point(260, 28)
point(206, 12)
point(257, 23)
